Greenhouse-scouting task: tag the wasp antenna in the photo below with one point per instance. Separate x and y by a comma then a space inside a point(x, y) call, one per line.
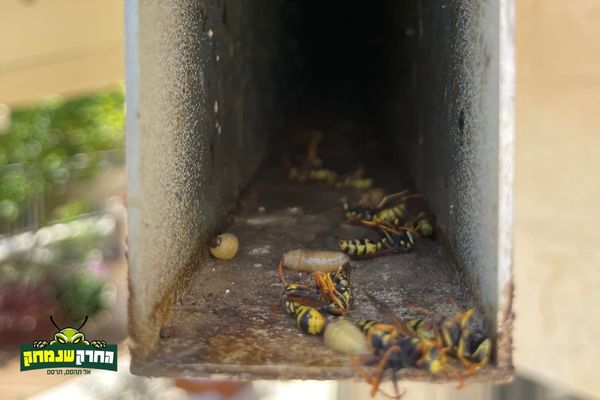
point(84, 321)
point(54, 323)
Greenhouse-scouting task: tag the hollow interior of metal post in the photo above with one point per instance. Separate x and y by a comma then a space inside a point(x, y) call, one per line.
point(230, 320)
point(399, 88)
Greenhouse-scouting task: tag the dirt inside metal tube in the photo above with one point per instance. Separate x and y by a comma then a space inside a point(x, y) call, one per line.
point(230, 321)
point(402, 89)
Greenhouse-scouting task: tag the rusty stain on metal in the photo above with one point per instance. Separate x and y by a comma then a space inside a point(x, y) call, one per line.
point(504, 343)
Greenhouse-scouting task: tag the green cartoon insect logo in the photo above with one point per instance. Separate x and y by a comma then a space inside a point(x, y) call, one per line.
point(69, 336)
point(69, 349)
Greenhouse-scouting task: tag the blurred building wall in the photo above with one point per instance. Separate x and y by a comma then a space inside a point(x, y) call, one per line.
point(59, 46)
point(557, 252)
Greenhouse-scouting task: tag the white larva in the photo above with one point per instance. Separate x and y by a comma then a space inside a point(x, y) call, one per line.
point(345, 337)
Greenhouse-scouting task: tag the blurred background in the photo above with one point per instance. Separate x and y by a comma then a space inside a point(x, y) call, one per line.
point(63, 222)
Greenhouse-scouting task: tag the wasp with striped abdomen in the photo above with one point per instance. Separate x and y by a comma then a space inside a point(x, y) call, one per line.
point(471, 348)
point(433, 355)
point(335, 287)
point(306, 304)
point(381, 213)
point(422, 223)
point(401, 344)
point(392, 239)
point(392, 350)
point(301, 303)
point(303, 175)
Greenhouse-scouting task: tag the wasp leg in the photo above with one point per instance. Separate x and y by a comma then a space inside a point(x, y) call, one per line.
point(387, 235)
point(452, 369)
point(460, 355)
point(379, 370)
point(370, 379)
point(422, 310)
point(358, 366)
point(358, 362)
point(421, 215)
point(462, 316)
point(275, 308)
point(280, 268)
point(313, 148)
point(395, 383)
point(458, 375)
point(381, 226)
point(323, 281)
point(397, 395)
point(465, 317)
point(471, 366)
point(472, 369)
point(403, 194)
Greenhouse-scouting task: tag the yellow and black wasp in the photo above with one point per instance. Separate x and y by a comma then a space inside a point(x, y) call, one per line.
point(332, 295)
point(471, 348)
point(425, 227)
point(395, 346)
point(311, 167)
point(355, 180)
point(402, 353)
point(422, 223)
point(392, 350)
point(380, 335)
point(301, 303)
point(335, 287)
point(307, 174)
point(474, 349)
point(380, 213)
point(392, 239)
point(433, 356)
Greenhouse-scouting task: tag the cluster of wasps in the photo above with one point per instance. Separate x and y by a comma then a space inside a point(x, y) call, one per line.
point(434, 344)
point(310, 168)
point(397, 218)
point(438, 344)
point(330, 294)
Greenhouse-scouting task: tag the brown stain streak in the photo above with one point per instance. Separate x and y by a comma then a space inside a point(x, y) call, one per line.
point(504, 341)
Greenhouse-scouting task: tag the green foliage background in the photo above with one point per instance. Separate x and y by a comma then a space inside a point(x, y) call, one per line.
point(48, 149)
point(56, 143)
